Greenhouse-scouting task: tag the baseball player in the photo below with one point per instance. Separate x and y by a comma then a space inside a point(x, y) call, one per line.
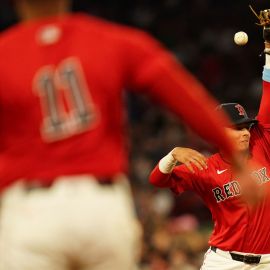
point(240, 239)
point(66, 203)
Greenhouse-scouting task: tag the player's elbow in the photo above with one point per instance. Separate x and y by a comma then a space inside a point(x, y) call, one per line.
point(159, 179)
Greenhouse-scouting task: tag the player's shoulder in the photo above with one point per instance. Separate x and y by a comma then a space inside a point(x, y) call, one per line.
point(214, 162)
point(113, 30)
point(215, 158)
point(9, 35)
point(104, 24)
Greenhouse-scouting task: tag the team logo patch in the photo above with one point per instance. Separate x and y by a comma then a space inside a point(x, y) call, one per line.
point(240, 109)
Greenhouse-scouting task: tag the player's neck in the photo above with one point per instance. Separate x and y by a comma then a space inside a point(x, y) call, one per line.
point(43, 9)
point(243, 157)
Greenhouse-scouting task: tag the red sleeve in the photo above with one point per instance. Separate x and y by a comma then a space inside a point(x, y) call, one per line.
point(159, 179)
point(178, 181)
point(264, 111)
point(153, 70)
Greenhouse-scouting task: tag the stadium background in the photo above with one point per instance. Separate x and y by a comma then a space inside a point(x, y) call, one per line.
point(200, 33)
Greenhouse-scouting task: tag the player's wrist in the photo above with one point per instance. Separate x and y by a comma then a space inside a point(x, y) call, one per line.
point(167, 163)
point(267, 46)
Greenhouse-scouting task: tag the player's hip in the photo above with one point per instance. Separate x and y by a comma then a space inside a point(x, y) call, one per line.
point(73, 212)
point(76, 186)
point(229, 260)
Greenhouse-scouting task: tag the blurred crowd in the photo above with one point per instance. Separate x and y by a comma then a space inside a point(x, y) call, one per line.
point(176, 228)
point(200, 33)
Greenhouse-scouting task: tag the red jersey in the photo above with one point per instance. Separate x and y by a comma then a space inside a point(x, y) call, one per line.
point(61, 88)
point(237, 225)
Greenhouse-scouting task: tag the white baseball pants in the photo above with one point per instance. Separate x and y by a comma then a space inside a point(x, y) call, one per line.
point(221, 260)
point(76, 224)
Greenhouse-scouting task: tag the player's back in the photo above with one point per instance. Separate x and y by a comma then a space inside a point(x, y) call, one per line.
point(61, 111)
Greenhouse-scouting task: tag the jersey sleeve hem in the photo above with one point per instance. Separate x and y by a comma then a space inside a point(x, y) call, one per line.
point(266, 74)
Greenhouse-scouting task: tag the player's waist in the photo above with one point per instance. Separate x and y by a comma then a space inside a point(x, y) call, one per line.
point(45, 173)
point(39, 183)
point(29, 185)
point(77, 187)
point(248, 258)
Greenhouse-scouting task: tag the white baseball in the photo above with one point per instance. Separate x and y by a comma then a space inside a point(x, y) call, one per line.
point(241, 38)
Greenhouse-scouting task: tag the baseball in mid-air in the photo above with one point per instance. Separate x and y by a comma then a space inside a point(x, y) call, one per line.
point(241, 38)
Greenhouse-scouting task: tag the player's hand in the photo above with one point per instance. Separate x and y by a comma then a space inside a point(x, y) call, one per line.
point(190, 158)
point(264, 20)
